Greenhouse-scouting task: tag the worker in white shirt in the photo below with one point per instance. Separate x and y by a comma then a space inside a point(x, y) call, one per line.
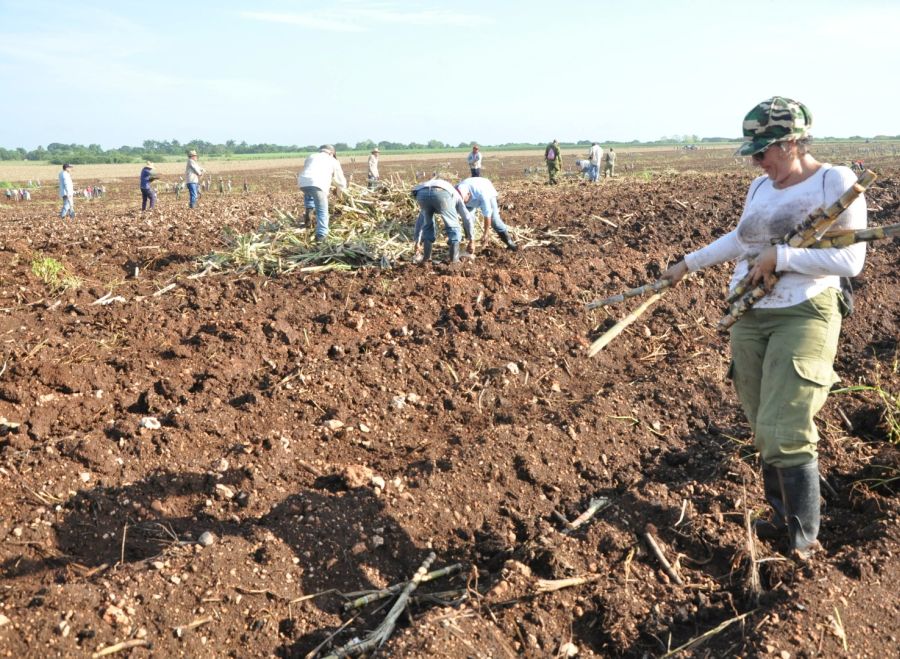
point(474, 160)
point(67, 192)
point(373, 169)
point(315, 181)
point(595, 156)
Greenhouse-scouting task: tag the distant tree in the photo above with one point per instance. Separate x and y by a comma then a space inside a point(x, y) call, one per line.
point(365, 145)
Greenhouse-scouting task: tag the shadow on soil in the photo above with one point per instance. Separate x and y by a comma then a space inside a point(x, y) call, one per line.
point(323, 525)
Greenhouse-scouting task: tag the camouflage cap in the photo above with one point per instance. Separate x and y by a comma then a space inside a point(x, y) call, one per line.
point(774, 120)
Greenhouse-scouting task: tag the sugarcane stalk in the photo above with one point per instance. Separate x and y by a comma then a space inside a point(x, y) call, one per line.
point(381, 634)
point(807, 233)
point(845, 238)
point(654, 287)
point(368, 598)
point(616, 329)
point(811, 230)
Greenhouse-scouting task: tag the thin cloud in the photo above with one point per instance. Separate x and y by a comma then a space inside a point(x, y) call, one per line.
point(360, 18)
point(314, 22)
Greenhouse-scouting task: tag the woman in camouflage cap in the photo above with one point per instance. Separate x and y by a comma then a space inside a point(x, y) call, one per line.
point(783, 348)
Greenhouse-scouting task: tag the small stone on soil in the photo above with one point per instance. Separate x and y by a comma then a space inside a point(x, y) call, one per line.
point(150, 423)
point(224, 492)
point(206, 538)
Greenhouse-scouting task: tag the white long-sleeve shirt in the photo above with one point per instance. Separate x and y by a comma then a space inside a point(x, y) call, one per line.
point(474, 160)
point(318, 171)
point(770, 213)
point(596, 154)
point(373, 166)
point(66, 187)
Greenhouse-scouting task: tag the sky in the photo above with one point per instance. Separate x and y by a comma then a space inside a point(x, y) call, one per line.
point(305, 72)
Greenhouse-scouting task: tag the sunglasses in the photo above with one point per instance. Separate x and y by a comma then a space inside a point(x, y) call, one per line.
point(759, 155)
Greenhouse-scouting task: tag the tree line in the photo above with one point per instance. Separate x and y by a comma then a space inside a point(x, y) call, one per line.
point(78, 154)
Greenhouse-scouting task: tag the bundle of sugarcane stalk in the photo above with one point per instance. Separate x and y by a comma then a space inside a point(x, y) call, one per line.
point(807, 234)
point(847, 237)
point(812, 233)
point(367, 228)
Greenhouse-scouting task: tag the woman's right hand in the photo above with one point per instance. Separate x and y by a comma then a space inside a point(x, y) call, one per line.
point(676, 272)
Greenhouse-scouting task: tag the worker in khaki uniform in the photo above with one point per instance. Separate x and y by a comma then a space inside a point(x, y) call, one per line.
point(609, 164)
point(553, 156)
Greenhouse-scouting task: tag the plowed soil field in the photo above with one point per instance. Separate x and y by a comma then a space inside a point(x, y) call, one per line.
point(205, 467)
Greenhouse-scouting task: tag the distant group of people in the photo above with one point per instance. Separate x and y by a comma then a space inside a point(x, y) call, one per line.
point(590, 166)
point(315, 180)
point(18, 194)
point(434, 197)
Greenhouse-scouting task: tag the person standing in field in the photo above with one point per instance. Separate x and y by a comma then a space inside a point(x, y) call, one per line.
point(609, 165)
point(595, 156)
point(319, 170)
point(478, 192)
point(553, 156)
point(474, 160)
point(67, 192)
point(192, 174)
point(373, 176)
point(148, 194)
point(783, 347)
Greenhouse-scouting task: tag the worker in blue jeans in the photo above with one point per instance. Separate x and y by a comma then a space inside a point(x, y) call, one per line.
point(439, 197)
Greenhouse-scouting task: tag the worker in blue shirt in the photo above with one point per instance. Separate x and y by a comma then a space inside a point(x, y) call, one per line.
point(478, 192)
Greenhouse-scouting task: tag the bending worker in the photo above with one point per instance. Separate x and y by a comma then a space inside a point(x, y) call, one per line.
point(783, 348)
point(478, 192)
point(315, 181)
point(438, 196)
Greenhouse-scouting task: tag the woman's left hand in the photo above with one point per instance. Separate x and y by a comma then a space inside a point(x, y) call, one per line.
point(764, 267)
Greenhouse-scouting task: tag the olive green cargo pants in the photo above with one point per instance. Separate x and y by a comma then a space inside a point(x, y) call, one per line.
point(782, 367)
point(553, 169)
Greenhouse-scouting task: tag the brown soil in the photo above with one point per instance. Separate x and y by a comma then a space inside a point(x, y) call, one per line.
point(467, 391)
